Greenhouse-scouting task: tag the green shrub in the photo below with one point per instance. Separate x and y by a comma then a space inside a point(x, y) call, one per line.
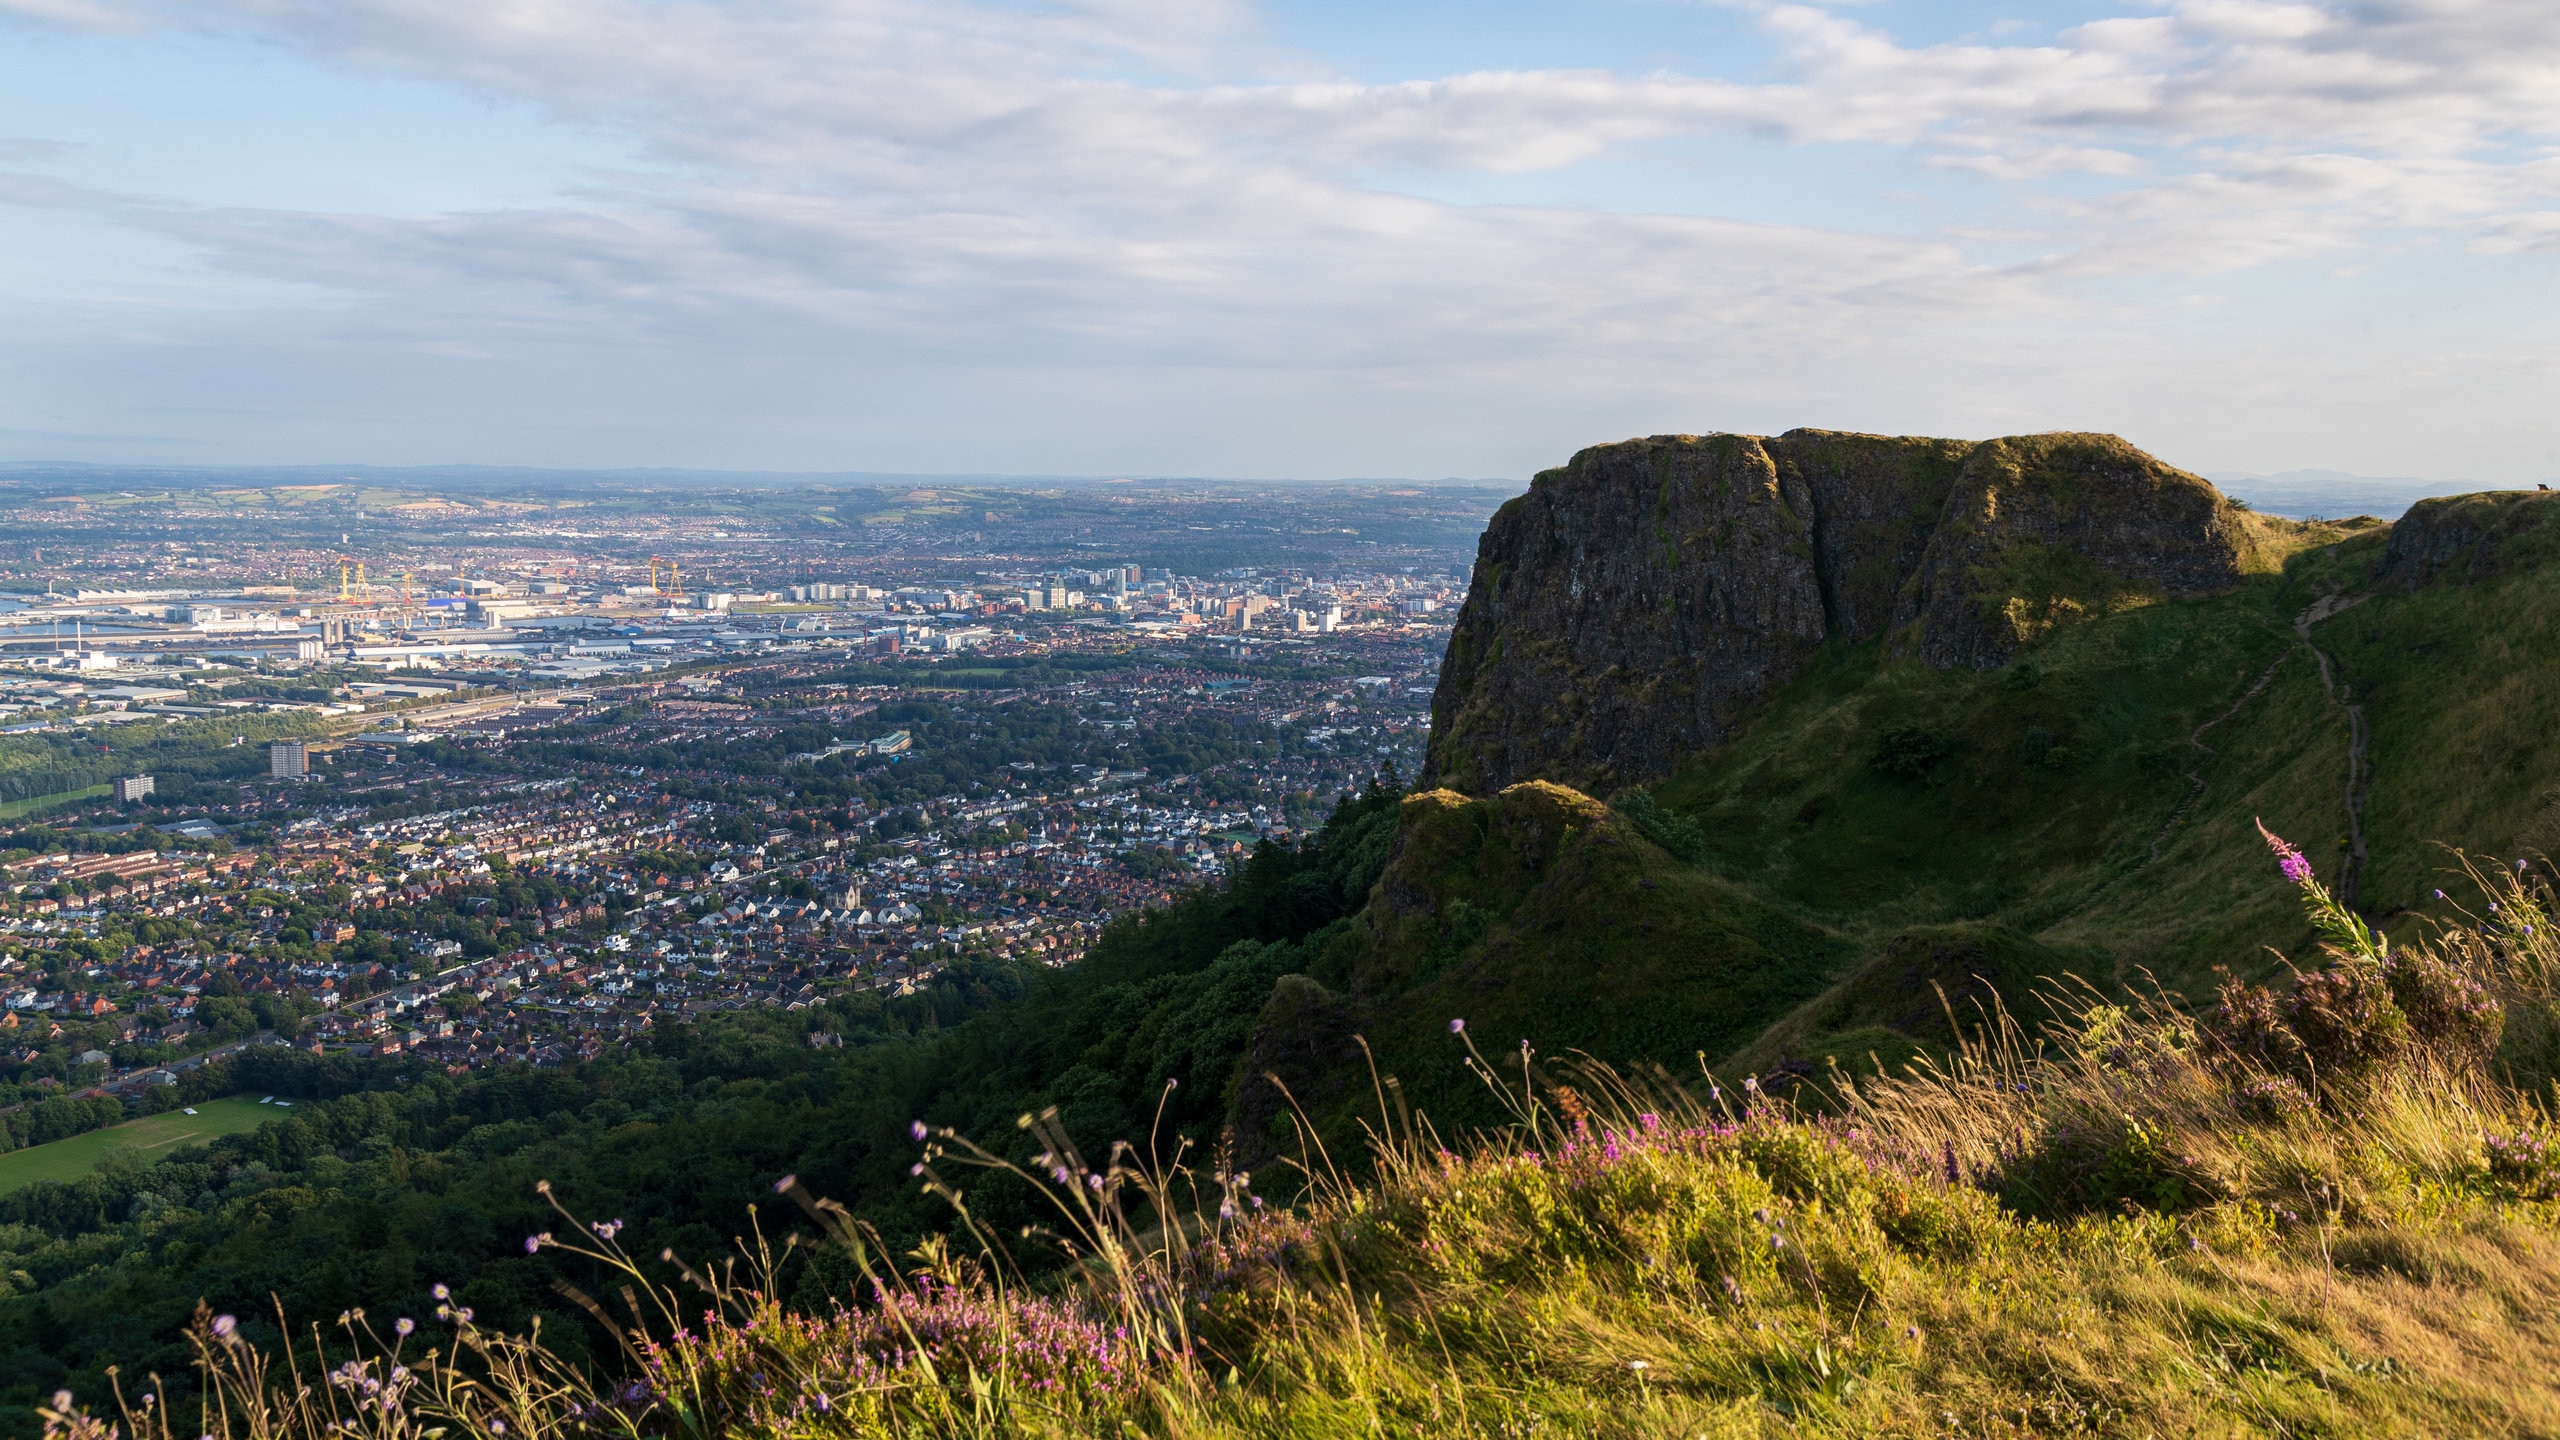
point(1910, 752)
point(1678, 835)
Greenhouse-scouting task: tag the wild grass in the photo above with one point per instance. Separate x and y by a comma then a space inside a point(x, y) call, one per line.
point(2323, 1207)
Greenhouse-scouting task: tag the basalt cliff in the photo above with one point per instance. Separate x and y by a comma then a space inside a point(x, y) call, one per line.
point(1632, 607)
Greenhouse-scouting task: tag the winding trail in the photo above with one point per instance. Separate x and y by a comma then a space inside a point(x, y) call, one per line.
point(2359, 767)
point(2195, 777)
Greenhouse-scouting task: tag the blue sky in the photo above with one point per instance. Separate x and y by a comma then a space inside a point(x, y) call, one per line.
point(1313, 238)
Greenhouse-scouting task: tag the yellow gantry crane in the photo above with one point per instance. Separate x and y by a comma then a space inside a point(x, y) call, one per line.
point(673, 589)
point(360, 588)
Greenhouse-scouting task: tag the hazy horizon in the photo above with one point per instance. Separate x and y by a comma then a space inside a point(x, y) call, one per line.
point(2302, 491)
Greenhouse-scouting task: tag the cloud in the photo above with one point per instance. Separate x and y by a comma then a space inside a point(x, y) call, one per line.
point(1152, 182)
point(99, 15)
point(17, 149)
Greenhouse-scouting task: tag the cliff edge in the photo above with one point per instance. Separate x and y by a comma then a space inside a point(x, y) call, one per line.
point(1630, 608)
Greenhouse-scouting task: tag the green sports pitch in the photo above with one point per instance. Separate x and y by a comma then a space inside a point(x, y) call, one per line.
point(152, 1136)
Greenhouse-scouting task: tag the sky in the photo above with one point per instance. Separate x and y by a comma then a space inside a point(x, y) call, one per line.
point(1300, 238)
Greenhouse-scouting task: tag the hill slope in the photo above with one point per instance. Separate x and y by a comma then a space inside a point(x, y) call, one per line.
point(1947, 717)
point(2320, 1210)
point(1849, 808)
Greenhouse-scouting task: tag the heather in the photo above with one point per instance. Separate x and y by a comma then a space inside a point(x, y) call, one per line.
point(2323, 1204)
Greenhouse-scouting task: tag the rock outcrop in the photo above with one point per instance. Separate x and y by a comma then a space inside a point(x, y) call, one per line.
point(1634, 605)
point(1537, 915)
point(2460, 539)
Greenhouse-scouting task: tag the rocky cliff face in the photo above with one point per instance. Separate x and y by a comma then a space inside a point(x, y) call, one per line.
point(2460, 539)
point(1631, 608)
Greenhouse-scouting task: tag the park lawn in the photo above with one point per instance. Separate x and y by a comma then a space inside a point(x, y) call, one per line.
point(19, 809)
point(151, 1135)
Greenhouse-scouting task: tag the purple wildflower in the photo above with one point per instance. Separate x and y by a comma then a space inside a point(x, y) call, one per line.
point(1457, 1027)
point(2297, 870)
point(916, 1129)
point(223, 1325)
point(405, 1326)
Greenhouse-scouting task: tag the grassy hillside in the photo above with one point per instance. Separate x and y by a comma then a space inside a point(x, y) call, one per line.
point(2094, 800)
point(142, 1140)
point(2319, 1209)
point(1538, 916)
point(1885, 832)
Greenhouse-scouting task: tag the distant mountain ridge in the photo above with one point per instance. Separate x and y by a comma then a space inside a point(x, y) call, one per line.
point(507, 479)
point(2333, 494)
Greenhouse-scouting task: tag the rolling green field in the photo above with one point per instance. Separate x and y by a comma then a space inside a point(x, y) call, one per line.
point(19, 809)
point(150, 1136)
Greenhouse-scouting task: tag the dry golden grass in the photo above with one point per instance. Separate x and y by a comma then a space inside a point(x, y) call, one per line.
point(2111, 1230)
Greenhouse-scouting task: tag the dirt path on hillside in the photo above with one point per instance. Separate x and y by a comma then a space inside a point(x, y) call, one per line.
point(2195, 737)
point(2359, 766)
point(2359, 762)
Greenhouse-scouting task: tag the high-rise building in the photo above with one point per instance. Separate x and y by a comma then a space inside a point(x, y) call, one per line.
point(288, 760)
point(130, 788)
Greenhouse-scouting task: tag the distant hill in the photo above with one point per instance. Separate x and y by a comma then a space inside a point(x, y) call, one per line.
point(523, 480)
point(2332, 494)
